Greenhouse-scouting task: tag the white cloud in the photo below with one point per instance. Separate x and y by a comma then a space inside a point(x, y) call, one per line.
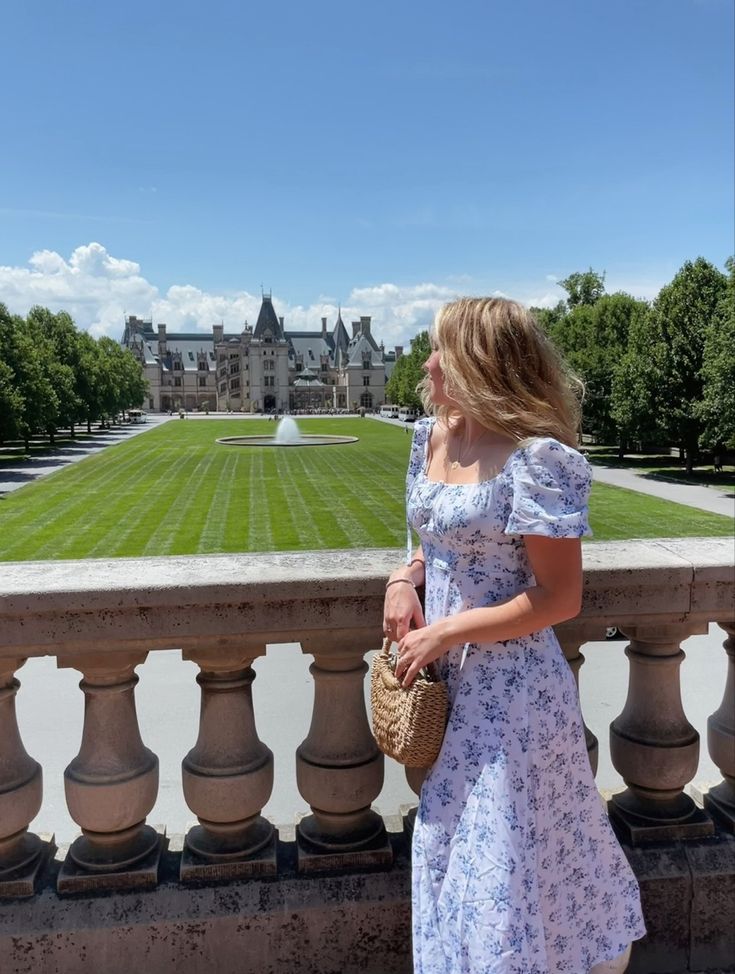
point(98, 290)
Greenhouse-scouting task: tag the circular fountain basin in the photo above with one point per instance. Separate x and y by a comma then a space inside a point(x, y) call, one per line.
point(303, 439)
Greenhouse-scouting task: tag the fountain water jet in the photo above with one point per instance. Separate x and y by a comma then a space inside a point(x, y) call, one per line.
point(287, 434)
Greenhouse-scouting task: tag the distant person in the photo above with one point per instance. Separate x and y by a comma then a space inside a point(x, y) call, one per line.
point(516, 869)
point(717, 463)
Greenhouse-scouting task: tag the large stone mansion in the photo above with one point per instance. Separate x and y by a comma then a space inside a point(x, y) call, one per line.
point(262, 369)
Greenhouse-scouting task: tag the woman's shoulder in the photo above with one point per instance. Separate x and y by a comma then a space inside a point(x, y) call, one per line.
point(540, 448)
point(548, 455)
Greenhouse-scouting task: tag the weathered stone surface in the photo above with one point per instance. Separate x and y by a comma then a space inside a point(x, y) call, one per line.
point(238, 600)
point(666, 893)
point(349, 923)
point(712, 866)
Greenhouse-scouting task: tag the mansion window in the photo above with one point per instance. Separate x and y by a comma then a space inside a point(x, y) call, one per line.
point(223, 387)
point(177, 380)
point(202, 380)
point(269, 380)
point(178, 366)
point(203, 364)
point(366, 380)
point(234, 384)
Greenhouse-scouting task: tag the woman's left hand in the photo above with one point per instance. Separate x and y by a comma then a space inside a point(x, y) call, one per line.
point(417, 649)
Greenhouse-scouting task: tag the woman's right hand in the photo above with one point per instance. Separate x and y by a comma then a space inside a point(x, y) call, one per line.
point(402, 610)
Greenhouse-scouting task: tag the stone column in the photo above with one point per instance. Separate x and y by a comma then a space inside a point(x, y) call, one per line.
point(720, 801)
point(111, 785)
point(228, 774)
point(653, 745)
point(570, 639)
point(21, 788)
point(339, 769)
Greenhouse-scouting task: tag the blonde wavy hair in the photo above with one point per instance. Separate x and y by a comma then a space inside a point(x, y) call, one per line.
point(502, 370)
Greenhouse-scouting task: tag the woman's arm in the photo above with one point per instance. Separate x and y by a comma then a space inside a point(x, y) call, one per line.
point(557, 595)
point(402, 606)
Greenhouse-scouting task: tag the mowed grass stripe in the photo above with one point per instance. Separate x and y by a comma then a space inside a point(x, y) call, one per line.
point(343, 502)
point(375, 513)
point(66, 487)
point(383, 503)
point(132, 530)
point(618, 513)
point(174, 489)
point(283, 527)
point(214, 530)
point(320, 498)
point(179, 501)
point(307, 530)
point(260, 536)
point(47, 530)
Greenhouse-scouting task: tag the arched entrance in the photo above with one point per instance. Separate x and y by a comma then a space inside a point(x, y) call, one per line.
point(269, 404)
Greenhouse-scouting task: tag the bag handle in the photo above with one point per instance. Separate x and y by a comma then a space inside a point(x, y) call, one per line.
point(428, 672)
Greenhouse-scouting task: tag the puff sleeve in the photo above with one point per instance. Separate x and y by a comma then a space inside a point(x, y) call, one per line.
point(550, 490)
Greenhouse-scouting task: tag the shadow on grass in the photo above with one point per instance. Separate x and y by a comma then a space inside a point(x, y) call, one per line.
point(14, 453)
point(656, 467)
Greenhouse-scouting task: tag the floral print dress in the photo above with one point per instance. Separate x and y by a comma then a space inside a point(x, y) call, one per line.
point(515, 867)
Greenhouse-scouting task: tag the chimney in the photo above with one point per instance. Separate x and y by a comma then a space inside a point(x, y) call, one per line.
point(162, 332)
point(324, 327)
point(218, 333)
point(365, 324)
point(356, 328)
point(399, 351)
point(280, 322)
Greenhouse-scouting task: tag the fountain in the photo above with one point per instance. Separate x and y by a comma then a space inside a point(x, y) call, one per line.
point(287, 434)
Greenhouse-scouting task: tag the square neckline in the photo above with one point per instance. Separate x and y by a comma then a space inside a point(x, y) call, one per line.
point(471, 483)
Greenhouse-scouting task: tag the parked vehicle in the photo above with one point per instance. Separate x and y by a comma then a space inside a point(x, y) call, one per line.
point(408, 414)
point(389, 411)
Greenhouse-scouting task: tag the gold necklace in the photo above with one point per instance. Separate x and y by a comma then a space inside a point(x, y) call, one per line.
point(455, 463)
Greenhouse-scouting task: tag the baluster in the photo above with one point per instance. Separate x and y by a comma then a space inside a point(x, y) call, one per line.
point(339, 769)
point(720, 800)
point(111, 785)
point(22, 854)
point(652, 744)
point(570, 639)
point(227, 775)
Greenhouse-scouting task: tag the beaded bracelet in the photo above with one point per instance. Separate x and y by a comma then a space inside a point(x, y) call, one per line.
point(395, 581)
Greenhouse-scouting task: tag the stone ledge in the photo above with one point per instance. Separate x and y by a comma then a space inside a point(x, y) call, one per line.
point(64, 607)
point(338, 923)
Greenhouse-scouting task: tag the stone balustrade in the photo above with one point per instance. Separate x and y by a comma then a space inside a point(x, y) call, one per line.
point(103, 617)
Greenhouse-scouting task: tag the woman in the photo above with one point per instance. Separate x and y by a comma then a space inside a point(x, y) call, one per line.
point(515, 867)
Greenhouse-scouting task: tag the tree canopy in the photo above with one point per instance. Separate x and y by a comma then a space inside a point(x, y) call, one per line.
point(53, 376)
point(408, 372)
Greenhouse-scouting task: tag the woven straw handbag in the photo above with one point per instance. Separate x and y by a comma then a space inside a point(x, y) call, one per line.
point(408, 725)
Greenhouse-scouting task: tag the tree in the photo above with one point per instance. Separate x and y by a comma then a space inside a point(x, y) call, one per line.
point(593, 338)
point(549, 318)
point(408, 372)
point(583, 287)
point(35, 397)
point(716, 409)
point(658, 384)
point(62, 340)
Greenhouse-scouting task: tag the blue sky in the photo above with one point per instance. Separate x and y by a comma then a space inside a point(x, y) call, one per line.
point(166, 159)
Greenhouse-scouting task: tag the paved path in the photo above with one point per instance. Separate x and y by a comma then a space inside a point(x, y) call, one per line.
point(15, 475)
point(693, 495)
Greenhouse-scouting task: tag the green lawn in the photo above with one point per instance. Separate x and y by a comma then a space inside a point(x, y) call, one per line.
point(173, 490)
point(653, 466)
